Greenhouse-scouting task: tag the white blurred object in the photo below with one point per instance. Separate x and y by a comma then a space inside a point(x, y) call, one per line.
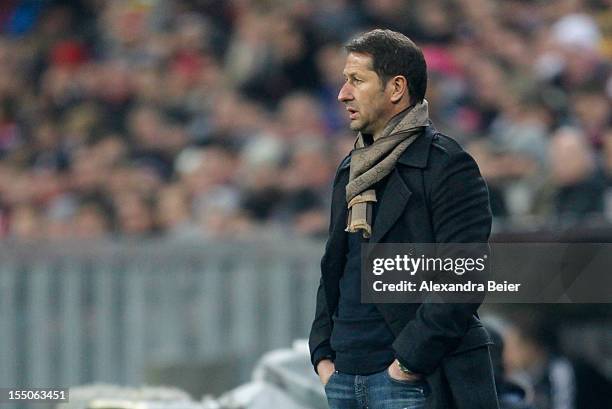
point(104, 396)
point(263, 149)
point(291, 370)
point(189, 160)
point(579, 30)
point(282, 378)
point(258, 395)
point(127, 404)
point(548, 65)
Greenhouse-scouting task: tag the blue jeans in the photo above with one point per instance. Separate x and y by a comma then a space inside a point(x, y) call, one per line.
point(376, 391)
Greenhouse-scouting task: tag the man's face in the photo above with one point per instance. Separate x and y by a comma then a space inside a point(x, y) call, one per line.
point(364, 95)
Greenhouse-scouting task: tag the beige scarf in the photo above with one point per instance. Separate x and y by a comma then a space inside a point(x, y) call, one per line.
point(370, 164)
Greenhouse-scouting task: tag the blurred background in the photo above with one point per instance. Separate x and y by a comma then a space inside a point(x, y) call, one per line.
point(166, 167)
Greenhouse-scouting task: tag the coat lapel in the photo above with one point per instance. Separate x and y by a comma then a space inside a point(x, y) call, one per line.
point(396, 195)
point(392, 205)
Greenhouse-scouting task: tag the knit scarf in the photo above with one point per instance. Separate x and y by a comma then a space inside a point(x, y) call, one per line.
point(370, 164)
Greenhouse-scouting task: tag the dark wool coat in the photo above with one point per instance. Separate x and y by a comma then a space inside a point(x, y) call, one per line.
point(435, 194)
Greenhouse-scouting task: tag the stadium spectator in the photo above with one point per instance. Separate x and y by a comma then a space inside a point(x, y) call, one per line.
point(511, 395)
point(531, 354)
point(577, 180)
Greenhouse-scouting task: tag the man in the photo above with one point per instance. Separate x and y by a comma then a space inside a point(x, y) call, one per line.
point(511, 395)
point(533, 355)
point(403, 183)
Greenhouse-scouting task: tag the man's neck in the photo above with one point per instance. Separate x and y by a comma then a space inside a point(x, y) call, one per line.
point(367, 139)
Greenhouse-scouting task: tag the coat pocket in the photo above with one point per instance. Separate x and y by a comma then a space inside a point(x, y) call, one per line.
point(475, 337)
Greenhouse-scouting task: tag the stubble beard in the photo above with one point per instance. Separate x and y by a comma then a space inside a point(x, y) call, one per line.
point(360, 125)
point(355, 126)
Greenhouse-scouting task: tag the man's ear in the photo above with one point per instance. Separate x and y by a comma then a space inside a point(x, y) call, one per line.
point(399, 88)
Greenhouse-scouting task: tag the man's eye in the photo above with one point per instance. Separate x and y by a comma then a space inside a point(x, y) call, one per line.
point(357, 81)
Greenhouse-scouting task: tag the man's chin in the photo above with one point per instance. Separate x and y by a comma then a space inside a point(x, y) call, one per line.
point(355, 126)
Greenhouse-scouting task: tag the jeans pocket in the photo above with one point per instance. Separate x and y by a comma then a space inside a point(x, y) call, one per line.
point(419, 384)
point(333, 375)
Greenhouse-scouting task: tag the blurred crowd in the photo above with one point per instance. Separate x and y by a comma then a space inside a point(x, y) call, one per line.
point(213, 118)
point(532, 371)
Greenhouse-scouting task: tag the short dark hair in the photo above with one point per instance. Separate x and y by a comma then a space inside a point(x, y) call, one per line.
point(394, 54)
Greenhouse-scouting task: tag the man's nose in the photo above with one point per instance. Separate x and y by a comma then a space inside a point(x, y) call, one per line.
point(345, 93)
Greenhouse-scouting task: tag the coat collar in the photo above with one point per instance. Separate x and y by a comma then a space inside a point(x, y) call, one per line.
point(417, 154)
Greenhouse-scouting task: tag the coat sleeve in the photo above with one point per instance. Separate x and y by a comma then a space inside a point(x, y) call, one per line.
point(460, 213)
point(320, 332)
